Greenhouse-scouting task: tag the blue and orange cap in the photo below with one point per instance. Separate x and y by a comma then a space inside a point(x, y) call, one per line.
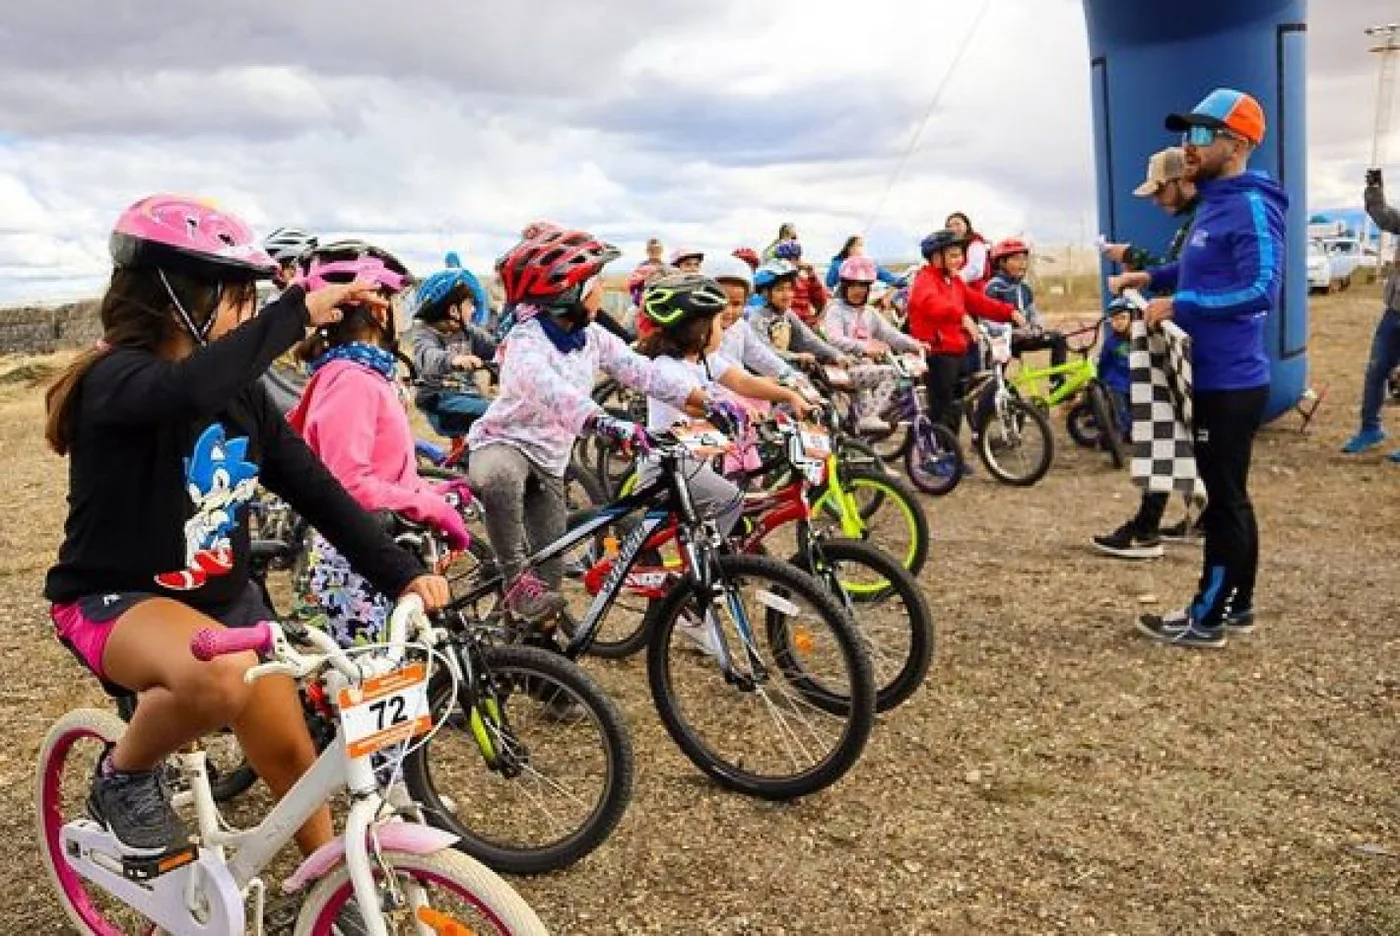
point(1233, 110)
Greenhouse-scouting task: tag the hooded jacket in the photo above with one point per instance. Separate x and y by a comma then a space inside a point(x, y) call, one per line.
point(1228, 278)
point(937, 303)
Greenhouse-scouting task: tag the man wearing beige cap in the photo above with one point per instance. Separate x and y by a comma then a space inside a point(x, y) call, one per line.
point(1167, 185)
point(1142, 536)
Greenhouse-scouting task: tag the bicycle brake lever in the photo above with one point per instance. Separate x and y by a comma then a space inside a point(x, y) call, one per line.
point(272, 669)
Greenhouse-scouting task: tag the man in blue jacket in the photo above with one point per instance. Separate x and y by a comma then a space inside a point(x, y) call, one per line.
point(1220, 292)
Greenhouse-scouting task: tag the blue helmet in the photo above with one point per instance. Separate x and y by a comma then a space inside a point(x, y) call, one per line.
point(437, 287)
point(937, 241)
point(771, 272)
point(789, 250)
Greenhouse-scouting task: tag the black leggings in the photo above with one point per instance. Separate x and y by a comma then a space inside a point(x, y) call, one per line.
point(944, 379)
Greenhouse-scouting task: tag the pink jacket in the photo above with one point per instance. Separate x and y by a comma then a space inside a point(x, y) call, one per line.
point(352, 418)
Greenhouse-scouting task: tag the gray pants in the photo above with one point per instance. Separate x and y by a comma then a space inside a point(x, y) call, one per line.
point(713, 495)
point(524, 506)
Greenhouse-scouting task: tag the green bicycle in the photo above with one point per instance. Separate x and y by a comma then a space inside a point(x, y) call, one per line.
point(1092, 420)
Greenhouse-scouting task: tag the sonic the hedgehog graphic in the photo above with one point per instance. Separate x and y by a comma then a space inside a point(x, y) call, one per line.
point(220, 481)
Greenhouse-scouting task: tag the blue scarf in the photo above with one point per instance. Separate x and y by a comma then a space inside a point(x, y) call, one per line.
point(371, 356)
point(564, 340)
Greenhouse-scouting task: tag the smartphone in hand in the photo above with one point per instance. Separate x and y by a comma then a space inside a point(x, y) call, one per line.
point(1373, 177)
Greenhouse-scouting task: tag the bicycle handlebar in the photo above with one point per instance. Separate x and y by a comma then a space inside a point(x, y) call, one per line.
point(267, 637)
point(210, 642)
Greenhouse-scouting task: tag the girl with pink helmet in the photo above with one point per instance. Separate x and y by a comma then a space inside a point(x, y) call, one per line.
point(168, 432)
point(861, 331)
point(353, 418)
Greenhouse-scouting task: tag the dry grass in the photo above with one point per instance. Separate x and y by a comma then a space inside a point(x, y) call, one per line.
point(1058, 774)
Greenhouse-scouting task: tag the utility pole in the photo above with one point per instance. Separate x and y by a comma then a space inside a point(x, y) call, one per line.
point(1389, 38)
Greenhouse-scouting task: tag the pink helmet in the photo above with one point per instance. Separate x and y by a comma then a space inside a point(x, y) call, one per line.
point(858, 270)
point(190, 236)
point(348, 261)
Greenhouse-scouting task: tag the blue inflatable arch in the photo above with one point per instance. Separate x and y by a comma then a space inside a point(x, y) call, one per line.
point(1149, 58)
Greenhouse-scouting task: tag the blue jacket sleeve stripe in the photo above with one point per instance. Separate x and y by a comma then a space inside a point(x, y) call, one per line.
point(1216, 302)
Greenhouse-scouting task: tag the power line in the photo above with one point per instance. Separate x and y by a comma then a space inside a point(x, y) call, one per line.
point(923, 124)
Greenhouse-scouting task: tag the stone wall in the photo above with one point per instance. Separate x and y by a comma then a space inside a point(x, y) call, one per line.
point(42, 330)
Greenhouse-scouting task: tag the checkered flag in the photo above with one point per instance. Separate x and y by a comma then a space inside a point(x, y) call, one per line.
point(1163, 458)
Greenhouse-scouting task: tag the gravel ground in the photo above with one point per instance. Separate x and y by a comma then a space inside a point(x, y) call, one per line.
point(1058, 773)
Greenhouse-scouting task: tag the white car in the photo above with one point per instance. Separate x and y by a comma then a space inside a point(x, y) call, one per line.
point(1320, 278)
point(1347, 254)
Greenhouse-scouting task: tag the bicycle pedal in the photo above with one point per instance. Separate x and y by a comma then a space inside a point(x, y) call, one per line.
point(148, 868)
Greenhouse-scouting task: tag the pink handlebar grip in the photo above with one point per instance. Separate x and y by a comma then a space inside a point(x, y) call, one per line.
point(210, 643)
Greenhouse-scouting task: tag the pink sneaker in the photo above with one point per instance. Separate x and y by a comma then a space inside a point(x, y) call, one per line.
point(531, 600)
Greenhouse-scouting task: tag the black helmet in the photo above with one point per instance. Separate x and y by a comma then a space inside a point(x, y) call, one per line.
point(673, 299)
point(939, 240)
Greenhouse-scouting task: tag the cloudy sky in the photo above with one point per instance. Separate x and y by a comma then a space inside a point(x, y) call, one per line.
point(425, 124)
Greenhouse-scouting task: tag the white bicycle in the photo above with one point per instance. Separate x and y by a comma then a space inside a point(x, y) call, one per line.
point(387, 863)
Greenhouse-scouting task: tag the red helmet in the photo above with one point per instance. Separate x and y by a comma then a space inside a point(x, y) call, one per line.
point(550, 268)
point(749, 256)
point(1009, 248)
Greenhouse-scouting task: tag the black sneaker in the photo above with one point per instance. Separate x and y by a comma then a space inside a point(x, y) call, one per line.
point(1178, 628)
point(1239, 622)
point(1184, 532)
point(135, 807)
point(1127, 543)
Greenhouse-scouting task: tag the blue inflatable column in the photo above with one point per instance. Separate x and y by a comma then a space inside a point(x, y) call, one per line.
point(1149, 58)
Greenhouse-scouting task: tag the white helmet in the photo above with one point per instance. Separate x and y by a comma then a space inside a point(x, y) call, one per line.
point(684, 251)
point(730, 268)
point(286, 244)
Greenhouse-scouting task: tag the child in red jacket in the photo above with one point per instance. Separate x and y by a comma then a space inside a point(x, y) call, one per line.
point(940, 312)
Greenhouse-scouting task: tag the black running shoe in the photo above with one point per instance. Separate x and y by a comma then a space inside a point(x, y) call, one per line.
point(1178, 629)
point(1127, 543)
point(135, 807)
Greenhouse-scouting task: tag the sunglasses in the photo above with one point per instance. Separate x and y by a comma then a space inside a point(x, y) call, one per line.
point(1205, 136)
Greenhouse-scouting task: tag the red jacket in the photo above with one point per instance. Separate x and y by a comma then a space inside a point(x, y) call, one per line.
point(937, 304)
point(809, 298)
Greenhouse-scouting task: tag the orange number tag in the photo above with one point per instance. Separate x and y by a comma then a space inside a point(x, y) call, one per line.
point(385, 710)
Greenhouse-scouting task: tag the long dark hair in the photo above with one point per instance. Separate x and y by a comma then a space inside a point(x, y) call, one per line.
point(689, 337)
point(846, 247)
point(136, 312)
point(971, 231)
point(357, 324)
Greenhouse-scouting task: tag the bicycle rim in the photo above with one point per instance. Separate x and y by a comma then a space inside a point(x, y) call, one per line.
point(933, 459)
point(800, 727)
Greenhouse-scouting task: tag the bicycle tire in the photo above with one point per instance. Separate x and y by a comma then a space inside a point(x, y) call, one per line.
point(501, 908)
point(1024, 415)
point(856, 709)
point(896, 494)
point(1081, 425)
point(1110, 439)
point(933, 461)
point(894, 682)
point(531, 668)
point(75, 895)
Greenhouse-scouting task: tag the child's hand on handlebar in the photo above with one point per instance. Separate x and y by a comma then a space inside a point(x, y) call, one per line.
point(801, 405)
point(433, 589)
point(466, 362)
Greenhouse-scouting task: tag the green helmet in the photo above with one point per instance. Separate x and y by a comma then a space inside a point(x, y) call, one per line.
point(673, 299)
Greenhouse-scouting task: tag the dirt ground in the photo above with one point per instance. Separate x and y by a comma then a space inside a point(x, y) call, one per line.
point(1057, 774)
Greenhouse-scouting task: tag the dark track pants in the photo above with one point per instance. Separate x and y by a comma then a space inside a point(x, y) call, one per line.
point(1225, 424)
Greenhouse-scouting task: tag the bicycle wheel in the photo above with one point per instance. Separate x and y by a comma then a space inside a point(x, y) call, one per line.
point(797, 725)
point(1015, 442)
point(901, 527)
point(891, 615)
point(563, 772)
point(440, 889)
point(1110, 438)
point(1081, 425)
point(67, 760)
point(934, 458)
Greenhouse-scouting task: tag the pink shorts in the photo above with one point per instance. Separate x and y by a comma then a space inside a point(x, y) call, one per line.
point(85, 625)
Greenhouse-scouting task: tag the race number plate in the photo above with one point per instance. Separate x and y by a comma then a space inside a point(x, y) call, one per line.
point(701, 439)
point(385, 710)
point(816, 441)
